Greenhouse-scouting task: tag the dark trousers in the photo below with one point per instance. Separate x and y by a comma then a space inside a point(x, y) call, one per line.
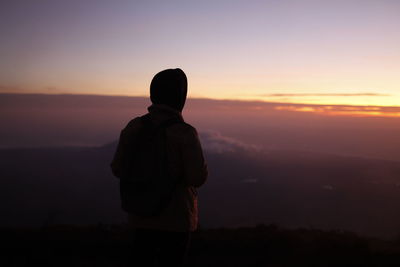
point(159, 248)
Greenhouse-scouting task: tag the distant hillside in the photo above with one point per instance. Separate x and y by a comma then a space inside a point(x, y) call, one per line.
point(246, 186)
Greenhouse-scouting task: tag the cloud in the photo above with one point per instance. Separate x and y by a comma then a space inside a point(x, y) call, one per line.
point(327, 94)
point(213, 141)
point(356, 111)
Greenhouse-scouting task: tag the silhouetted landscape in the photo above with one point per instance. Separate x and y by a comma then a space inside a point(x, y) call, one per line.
point(290, 188)
point(59, 191)
point(262, 245)
point(296, 105)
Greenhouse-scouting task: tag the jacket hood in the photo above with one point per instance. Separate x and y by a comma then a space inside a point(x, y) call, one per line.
point(169, 87)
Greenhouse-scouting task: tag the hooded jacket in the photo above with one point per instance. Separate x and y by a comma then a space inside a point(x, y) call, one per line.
point(185, 156)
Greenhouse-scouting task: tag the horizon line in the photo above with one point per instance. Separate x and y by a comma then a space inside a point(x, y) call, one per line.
point(200, 98)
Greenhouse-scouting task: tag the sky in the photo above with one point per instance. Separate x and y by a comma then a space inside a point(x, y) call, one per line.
point(299, 51)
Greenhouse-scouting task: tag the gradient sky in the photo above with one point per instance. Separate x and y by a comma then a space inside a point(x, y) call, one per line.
point(323, 52)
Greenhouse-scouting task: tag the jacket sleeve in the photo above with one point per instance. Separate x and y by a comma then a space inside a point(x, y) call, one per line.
point(117, 162)
point(194, 165)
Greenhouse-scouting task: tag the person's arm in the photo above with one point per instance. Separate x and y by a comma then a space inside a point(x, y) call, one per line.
point(194, 165)
point(117, 162)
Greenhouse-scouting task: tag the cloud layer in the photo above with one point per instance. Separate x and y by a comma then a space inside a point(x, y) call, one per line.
point(328, 94)
point(212, 141)
point(356, 111)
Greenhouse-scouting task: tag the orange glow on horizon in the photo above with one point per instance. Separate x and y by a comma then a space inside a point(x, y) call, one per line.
point(342, 111)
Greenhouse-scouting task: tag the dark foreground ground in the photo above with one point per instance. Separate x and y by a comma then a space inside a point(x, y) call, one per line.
point(108, 245)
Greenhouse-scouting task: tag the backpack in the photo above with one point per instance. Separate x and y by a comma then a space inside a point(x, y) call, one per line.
point(146, 187)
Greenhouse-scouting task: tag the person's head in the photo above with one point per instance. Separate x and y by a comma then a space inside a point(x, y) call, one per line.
point(169, 87)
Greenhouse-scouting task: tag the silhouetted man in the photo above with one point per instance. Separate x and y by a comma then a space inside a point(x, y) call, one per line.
point(162, 238)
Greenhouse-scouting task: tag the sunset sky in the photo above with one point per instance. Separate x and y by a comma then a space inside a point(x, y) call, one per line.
point(296, 104)
point(299, 51)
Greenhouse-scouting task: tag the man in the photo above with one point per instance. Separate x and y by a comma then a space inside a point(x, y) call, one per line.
point(163, 239)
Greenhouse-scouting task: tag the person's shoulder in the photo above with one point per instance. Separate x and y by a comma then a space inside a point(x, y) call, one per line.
point(134, 122)
point(133, 125)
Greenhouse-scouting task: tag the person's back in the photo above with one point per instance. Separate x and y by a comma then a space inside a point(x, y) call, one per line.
point(168, 232)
